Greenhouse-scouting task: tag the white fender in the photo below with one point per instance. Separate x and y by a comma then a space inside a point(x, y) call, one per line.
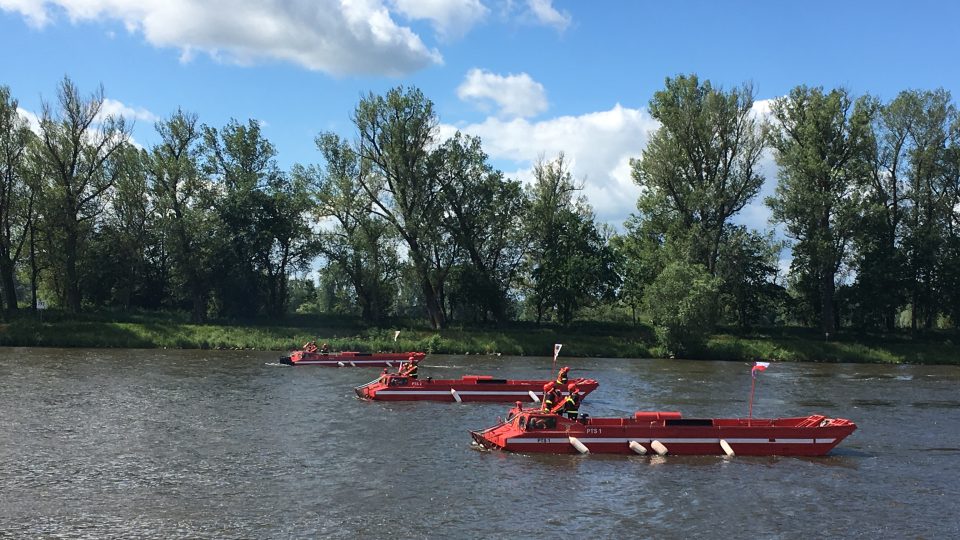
point(582, 448)
point(340, 364)
point(534, 396)
point(726, 448)
point(659, 448)
point(456, 396)
point(352, 364)
point(637, 447)
point(389, 364)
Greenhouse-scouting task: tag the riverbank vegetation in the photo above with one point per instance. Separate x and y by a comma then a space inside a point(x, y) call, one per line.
point(398, 223)
point(580, 339)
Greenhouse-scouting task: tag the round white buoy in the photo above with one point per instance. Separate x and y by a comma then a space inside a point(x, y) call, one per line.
point(534, 396)
point(582, 448)
point(637, 447)
point(726, 448)
point(659, 448)
point(340, 364)
point(456, 396)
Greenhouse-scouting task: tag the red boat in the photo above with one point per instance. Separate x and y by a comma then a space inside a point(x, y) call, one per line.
point(350, 359)
point(396, 387)
point(531, 430)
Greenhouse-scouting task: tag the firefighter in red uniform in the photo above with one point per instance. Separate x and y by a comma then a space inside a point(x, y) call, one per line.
point(410, 370)
point(570, 404)
point(562, 376)
point(551, 395)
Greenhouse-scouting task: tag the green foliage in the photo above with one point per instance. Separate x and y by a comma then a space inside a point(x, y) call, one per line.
point(571, 264)
point(823, 143)
point(681, 304)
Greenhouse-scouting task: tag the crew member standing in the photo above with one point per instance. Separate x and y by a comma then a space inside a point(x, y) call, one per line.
point(551, 395)
point(411, 369)
point(570, 404)
point(562, 376)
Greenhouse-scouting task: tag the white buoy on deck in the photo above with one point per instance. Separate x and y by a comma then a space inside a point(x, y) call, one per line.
point(726, 448)
point(456, 396)
point(637, 447)
point(340, 364)
point(659, 448)
point(534, 396)
point(582, 448)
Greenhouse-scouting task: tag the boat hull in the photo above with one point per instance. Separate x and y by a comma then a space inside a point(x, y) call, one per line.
point(813, 435)
point(350, 359)
point(470, 388)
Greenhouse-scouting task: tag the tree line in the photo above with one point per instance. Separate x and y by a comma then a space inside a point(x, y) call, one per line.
point(402, 223)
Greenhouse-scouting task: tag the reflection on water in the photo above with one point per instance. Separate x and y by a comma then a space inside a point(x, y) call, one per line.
point(200, 444)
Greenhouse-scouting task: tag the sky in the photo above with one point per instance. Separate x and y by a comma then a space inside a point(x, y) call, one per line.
point(532, 78)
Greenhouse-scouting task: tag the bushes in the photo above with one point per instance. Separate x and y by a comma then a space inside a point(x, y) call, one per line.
point(682, 303)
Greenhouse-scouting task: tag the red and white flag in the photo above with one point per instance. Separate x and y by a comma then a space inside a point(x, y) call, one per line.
point(396, 335)
point(758, 367)
point(556, 350)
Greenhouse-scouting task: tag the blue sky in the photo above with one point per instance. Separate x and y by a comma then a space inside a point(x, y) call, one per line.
point(531, 77)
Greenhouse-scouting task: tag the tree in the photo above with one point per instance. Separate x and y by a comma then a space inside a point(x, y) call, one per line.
point(484, 214)
point(78, 147)
point(396, 132)
point(822, 144)
point(264, 213)
point(680, 302)
point(699, 168)
point(182, 201)
point(748, 268)
point(359, 245)
point(571, 264)
point(16, 196)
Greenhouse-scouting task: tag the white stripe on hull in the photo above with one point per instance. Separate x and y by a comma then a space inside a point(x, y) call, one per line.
point(598, 440)
point(517, 393)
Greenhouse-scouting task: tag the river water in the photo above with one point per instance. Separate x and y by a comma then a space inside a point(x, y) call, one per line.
point(203, 444)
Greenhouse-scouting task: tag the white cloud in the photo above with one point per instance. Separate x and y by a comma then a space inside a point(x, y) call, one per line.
point(112, 107)
point(515, 95)
point(334, 36)
point(32, 119)
point(32, 10)
point(450, 18)
point(598, 147)
point(544, 12)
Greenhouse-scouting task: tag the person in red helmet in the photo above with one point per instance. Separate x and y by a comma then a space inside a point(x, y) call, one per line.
point(570, 404)
point(410, 369)
point(562, 376)
point(551, 395)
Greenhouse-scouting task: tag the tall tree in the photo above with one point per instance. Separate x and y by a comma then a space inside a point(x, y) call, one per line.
point(264, 212)
point(78, 144)
point(16, 196)
point(822, 143)
point(182, 201)
point(360, 245)
point(484, 213)
point(571, 263)
point(700, 167)
point(396, 132)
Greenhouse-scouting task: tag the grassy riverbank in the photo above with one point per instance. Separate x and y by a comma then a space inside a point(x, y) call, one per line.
point(611, 340)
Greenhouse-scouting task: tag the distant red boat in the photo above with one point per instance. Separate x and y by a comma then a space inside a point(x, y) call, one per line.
point(350, 359)
point(531, 430)
point(396, 387)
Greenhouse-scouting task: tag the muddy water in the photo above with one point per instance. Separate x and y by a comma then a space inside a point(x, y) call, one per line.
point(200, 444)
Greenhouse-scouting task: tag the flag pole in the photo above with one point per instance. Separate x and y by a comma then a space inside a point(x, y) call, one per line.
point(753, 382)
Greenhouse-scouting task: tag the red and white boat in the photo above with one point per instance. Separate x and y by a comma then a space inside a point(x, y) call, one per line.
point(350, 359)
point(532, 430)
point(396, 387)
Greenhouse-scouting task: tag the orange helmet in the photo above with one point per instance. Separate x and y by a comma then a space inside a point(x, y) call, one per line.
point(572, 387)
point(548, 387)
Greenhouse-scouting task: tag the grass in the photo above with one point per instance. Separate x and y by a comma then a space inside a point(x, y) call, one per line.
point(581, 339)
